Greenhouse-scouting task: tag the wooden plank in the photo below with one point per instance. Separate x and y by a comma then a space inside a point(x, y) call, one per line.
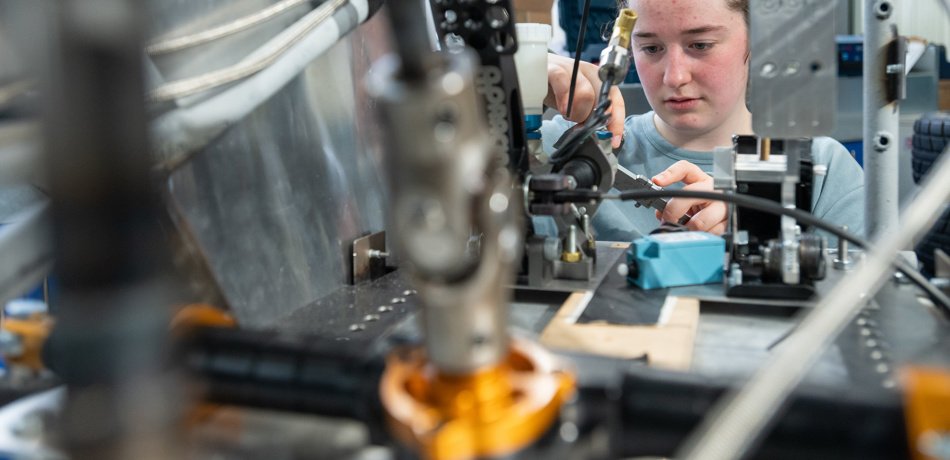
point(668, 345)
point(944, 95)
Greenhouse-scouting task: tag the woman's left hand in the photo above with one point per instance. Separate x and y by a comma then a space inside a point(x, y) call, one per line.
point(707, 216)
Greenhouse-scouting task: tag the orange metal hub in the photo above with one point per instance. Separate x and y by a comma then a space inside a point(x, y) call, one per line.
point(494, 412)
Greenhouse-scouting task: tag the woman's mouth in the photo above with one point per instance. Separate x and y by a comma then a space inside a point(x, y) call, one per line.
point(681, 103)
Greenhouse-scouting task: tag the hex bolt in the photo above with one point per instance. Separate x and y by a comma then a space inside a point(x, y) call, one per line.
point(377, 254)
point(844, 260)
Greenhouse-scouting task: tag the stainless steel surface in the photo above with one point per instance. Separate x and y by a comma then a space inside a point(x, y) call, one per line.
point(27, 249)
point(749, 168)
point(791, 235)
point(733, 346)
point(614, 63)
point(607, 255)
point(724, 169)
point(793, 68)
point(582, 270)
point(273, 201)
point(881, 122)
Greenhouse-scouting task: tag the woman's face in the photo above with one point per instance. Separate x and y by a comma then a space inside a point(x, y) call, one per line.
point(691, 56)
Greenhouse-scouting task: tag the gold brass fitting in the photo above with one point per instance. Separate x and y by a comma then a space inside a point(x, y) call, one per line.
point(31, 333)
point(623, 27)
point(571, 256)
point(495, 412)
point(201, 315)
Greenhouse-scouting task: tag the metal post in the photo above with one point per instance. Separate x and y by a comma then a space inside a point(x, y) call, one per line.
point(881, 120)
point(115, 292)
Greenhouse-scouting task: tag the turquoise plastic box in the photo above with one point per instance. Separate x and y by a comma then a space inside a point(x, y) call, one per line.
point(676, 259)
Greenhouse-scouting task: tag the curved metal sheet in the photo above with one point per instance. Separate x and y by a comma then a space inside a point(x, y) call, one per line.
point(274, 204)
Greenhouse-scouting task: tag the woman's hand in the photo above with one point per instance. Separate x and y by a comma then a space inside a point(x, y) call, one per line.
point(585, 94)
point(708, 216)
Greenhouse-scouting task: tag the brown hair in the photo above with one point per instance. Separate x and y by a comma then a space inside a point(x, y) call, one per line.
point(740, 6)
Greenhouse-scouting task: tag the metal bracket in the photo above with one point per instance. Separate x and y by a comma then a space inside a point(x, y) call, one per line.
point(724, 169)
point(894, 72)
point(369, 257)
point(793, 68)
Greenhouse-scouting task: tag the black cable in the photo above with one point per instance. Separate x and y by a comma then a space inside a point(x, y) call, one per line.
point(941, 301)
point(570, 145)
point(577, 57)
point(605, 88)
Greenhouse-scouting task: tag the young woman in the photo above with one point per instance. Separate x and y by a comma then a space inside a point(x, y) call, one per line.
point(692, 57)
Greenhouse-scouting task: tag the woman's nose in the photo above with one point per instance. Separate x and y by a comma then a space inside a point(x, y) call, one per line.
point(677, 70)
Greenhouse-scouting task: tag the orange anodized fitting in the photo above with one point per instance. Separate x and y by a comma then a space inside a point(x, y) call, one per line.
point(30, 335)
point(495, 412)
point(201, 315)
point(926, 409)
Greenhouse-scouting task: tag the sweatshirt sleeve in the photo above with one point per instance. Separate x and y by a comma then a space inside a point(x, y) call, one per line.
point(838, 196)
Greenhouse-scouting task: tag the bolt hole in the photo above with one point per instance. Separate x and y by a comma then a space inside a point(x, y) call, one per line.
point(883, 10)
point(817, 66)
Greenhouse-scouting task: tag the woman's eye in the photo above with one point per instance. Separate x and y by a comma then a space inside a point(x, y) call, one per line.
point(702, 46)
point(650, 49)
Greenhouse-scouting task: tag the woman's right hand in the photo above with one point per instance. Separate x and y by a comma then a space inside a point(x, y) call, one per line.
point(585, 94)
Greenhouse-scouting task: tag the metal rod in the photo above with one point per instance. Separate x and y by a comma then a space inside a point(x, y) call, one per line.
point(180, 133)
point(412, 40)
point(257, 61)
point(881, 121)
point(114, 288)
point(168, 45)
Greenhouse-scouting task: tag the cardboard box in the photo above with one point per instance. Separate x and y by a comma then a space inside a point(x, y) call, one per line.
point(523, 17)
point(537, 11)
point(944, 95)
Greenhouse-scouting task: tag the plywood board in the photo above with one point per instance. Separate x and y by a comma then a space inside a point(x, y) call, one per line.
point(668, 344)
point(944, 95)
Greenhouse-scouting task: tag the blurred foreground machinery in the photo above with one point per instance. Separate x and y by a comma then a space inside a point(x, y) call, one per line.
point(269, 132)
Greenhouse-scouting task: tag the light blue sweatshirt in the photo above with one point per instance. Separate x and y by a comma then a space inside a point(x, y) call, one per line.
point(838, 197)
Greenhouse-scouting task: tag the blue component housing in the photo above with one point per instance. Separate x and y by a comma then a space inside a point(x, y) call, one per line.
point(676, 259)
point(532, 122)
